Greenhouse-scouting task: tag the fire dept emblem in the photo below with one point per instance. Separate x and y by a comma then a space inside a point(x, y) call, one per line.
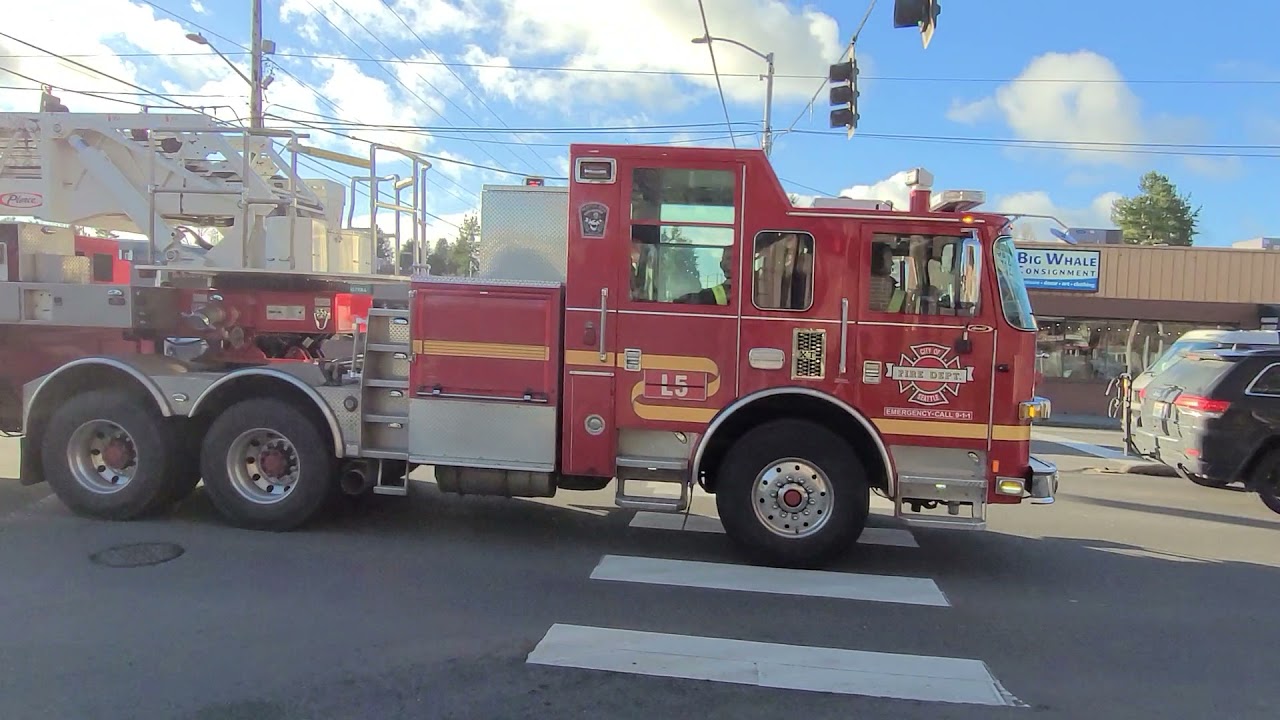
point(593, 216)
point(931, 374)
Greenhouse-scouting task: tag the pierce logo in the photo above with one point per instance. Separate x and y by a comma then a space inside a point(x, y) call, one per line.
point(930, 374)
point(21, 200)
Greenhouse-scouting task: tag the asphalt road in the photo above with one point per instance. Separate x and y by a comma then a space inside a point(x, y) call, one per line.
point(1132, 597)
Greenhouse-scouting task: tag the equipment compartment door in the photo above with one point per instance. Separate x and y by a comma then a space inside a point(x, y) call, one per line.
point(926, 340)
point(679, 301)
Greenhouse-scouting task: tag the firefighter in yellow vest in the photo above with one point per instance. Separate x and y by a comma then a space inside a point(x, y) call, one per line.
point(717, 294)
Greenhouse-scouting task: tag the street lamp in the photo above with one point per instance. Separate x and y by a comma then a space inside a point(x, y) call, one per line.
point(199, 39)
point(766, 142)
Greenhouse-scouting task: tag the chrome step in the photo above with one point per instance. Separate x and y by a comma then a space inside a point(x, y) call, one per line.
point(651, 503)
point(382, 419)
point(374, 454)
point(387, 383)
point(390, 482)
point(949, 522)
point(373, 347)
point(389, 312)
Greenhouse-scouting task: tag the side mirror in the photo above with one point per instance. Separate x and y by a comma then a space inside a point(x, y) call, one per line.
point(969, 278)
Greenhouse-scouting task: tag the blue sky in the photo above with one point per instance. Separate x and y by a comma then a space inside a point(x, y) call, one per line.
point(1086, 72)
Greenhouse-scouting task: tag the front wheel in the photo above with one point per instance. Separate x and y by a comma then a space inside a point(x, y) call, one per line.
point(267, 466)
point(792, 493)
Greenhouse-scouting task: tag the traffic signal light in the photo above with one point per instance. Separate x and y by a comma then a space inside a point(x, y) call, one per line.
point(843, 77)
point(917, 13)
point(50, 102)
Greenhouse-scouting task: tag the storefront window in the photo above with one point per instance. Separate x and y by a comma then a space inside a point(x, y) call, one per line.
point(1099, 350)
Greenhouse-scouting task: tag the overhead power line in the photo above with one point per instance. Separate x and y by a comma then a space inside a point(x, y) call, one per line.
point(706, 32)
point(392, 75)
point(1074, 145)
point(464, 83)
point(993, 80)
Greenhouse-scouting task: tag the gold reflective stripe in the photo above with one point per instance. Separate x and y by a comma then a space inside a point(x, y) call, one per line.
point(722, 298)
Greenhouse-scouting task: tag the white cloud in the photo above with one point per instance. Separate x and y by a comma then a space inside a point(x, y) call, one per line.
point(1080, 102)
point(198, 7)
point(358, 18)
point(893, 188)
point(653, 36)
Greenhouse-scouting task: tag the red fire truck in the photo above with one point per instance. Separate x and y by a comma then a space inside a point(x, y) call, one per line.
point(669, 318)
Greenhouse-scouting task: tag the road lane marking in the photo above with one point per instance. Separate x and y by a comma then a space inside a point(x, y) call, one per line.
point(893, 537)
point(772, 665)
point(780, 581)
point(1084, 447)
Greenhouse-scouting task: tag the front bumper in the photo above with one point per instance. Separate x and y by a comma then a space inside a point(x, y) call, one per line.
point(1044, 481)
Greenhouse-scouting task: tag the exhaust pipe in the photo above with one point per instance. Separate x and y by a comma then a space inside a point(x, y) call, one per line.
point(356, 478)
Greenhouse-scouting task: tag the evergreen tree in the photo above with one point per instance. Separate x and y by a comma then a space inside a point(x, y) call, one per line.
point(1157, 215)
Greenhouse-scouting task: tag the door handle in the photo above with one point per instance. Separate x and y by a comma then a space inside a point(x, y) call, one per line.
point(604, 316)
point(844, 334)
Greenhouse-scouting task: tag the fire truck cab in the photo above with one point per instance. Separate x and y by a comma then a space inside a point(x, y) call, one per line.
point(669, 319)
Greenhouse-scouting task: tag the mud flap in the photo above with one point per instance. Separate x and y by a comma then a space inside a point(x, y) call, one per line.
point(29, 471)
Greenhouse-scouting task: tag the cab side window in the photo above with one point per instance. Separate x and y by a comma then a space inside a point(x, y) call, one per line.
point(682, 236)
point(782, 276)
point(924, 275)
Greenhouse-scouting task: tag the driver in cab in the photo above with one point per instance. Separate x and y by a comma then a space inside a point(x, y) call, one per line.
point(718, 294)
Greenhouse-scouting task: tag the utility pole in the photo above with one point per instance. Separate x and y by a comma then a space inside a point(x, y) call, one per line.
point(767, 140)
point(255, 71)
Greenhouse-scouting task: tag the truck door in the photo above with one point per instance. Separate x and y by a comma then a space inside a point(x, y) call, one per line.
point(679, 301)
point(925, 347)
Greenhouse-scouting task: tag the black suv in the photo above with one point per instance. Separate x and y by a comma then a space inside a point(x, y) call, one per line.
point(1214, 416)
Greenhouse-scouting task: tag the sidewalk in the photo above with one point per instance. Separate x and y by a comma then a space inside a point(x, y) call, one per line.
point(1092, 422)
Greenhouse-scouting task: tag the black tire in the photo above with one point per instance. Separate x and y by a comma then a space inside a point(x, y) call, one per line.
point(147, 442)
point(186, 474)
point(1265, 480)
point(760, 451)
point(308, 491)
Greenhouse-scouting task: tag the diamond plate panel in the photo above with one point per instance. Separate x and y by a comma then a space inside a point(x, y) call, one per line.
point(388, 330)
point(525, 233)
point(45, 240)
point(348, 422)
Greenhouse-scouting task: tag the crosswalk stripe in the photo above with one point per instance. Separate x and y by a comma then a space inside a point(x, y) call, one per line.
point(781, 581)
point(895, 537)
point(772, 665)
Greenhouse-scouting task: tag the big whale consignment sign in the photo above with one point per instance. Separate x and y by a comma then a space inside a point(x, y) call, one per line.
point(1075, 270)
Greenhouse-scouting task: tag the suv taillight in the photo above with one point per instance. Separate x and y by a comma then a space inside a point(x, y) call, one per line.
point(1198, 403)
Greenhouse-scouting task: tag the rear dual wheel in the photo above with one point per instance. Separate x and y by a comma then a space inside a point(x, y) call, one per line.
point(792, 493)
point(267, 465)
point(108, 455)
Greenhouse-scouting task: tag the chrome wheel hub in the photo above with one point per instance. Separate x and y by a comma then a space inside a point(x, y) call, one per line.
point(792, 497)
point(102, 456)
point(263, 466)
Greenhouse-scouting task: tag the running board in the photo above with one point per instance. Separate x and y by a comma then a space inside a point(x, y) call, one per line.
point(945, 522)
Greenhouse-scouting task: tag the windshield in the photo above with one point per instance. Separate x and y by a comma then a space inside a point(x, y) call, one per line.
point(1013, 294)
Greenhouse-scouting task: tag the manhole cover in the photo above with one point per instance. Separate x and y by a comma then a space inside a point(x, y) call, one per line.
point(137, 554)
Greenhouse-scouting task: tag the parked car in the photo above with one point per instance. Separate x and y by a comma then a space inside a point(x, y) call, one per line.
point(1214, 416)
point(1204, 340)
